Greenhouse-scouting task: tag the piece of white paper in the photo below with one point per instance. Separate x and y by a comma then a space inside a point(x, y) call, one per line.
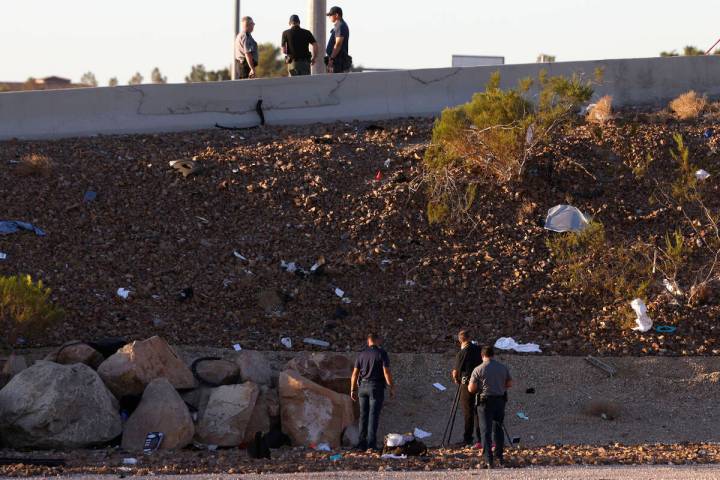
point(317, 343)
point(123, 293)
point(339, 293)
point(507, 343)
point(644, 322)
point(421, 433)
point(392, 456)
point(287, 342)
point(702, 175)
point(439, 386)
point(3, 256)
point(238, 255)
point(323, 447)
point(237, 347)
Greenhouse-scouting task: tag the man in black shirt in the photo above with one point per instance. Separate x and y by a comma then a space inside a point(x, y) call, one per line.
point(295, 45)
point(338, 47)
point(371, 374)
point(465, 362)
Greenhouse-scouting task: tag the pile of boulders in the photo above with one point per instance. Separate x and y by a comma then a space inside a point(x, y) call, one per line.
point(78, 398)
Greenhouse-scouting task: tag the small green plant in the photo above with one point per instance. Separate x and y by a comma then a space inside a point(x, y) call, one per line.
point(684, 188)
point(643, 165)
point(25, 308)
point(491, 138)
point(590, 264)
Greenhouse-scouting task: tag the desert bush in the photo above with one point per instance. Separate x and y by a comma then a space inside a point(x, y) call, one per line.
point(684, 188)
point(491, 138)
point(588, 263)
point(602, 111)
point(35, 164)
point(688, 105)
point(25, 308)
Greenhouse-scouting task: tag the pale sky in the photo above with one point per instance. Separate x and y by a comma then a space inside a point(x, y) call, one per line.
point(117, 38)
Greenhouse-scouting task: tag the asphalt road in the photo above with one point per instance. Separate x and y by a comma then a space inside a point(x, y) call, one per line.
point(564, 473)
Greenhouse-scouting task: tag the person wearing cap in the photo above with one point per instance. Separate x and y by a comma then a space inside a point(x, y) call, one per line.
point(296, 43)
point(246, 50)
point(338, 47)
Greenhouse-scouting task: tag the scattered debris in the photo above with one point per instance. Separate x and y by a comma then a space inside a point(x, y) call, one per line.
point(238, 255)
point(419, 433)
point(89, 196)
point(665, 329)
point(3, 256)
point(440, 386)
point(387, 163)
point(702, 175)
point(317, 343)
point(323, 447)
point(336, 458)
point(644, 323)
point(152, 442)
point(672, 288)
point(605, 367)
point(186, 167)
point(565, 218)
point(317, 266)
point(130, 461)
point(185, 294)
point(237, 347)
point(123, 293)
point(13, 226)
point(392, 456)
point(708, 133)
point(507, 343)
point(522, 416)
point(340, 293)
point(378, 176)
point(288, 267)
point(287, 342)
point(530, 391)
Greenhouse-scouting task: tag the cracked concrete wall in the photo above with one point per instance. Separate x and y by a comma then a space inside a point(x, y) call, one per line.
point(325, 98)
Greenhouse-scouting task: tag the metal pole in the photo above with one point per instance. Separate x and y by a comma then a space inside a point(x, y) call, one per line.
point(236, 29)
point(317, 22)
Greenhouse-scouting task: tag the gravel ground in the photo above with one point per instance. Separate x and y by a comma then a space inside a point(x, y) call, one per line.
point(297, 194)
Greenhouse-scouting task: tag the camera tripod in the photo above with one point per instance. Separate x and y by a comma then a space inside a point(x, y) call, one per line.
point(447, 434)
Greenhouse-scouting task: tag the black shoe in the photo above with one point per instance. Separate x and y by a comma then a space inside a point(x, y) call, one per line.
point(361, 447)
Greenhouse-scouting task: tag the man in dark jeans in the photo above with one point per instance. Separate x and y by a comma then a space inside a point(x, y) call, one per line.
point(465, 362)
point(371, 374)
point(338, 47)
point(295, 45)
point(492, 380)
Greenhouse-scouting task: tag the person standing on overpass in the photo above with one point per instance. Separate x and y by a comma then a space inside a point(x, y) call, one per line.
point(338, 47)
point(295, 45)
point(246, 50)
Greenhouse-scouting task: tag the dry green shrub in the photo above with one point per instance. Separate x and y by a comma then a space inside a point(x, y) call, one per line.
point(35, 164)
point(25, 308)
point(688, 105)
point(491, 138)
point(602, 111)
point(684, 188)
point(588, 263)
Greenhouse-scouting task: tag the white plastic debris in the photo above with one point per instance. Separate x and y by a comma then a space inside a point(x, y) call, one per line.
point(340, 293)
point(672, 288)
point(392, 456)
point(130, 461)
point(239, 255)
point(395, 440)
point(317, 343)
point(237, 347)
point(702, 175)
point(508, 343)
point(439, 386)
point(323, 447)
point(387, 163)
point(287, 342)
point(123, 293)
point(565, 218)
point(346, 300)
point(419, 433)
point(529, 135)
point(3, 256)
point(288, 267)
point(644, 323)
point(522, 416)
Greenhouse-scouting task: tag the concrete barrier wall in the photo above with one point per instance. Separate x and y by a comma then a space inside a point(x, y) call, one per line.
point(325, 98)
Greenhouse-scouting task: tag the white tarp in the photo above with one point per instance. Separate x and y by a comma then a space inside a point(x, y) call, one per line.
point(565, 218)
point(644, 322)
point(506, 343)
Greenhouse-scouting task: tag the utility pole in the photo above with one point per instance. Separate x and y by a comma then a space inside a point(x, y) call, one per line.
point(236, 29)
point(317, 22)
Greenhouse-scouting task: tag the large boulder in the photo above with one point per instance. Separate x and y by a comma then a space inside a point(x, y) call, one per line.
point(134, 366)
point(311, 413)
point(161, 410)
point(76, 352)
point(11, 367)
point(265, 415)
point(254, 367)
point(331, 370)
point(225, 418)
point(53, 406)
point(216, 372)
